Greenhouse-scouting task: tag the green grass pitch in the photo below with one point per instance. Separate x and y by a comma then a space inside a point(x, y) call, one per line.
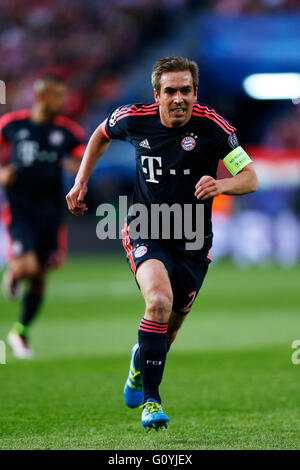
point(229, 381)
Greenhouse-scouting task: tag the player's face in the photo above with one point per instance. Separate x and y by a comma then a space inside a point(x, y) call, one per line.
point(176, 98)
point(53, 97)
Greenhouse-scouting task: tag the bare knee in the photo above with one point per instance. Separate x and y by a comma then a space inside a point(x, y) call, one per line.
point(25, 267)
point(159, 306)
point(155, 286)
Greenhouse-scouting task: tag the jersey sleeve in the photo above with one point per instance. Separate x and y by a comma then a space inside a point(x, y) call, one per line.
point(5, 136)
point(78, 150)
point(5, 139)
point(77, 142)
point(229, 150)
point(77, 137)
point(116, 124)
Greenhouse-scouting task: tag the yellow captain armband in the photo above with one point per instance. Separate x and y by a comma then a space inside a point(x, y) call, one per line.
point(236, 160)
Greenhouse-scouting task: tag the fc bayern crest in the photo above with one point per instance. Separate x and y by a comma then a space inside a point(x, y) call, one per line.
point(56, 138)
point(140, 251)
point(188, 143)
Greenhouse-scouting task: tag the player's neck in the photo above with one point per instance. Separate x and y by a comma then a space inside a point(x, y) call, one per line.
point(39, 115)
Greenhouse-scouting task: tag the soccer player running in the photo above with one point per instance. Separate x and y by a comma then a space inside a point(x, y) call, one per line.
point(39, 140)
point(178, 146)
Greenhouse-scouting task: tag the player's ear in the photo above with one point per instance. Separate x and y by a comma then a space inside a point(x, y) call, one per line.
point(156, 96)
point(196, 93)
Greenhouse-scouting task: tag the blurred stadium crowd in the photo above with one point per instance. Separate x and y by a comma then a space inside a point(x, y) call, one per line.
point(283, 131)
point(90, 43)
point(233, 7)
point(95, 45)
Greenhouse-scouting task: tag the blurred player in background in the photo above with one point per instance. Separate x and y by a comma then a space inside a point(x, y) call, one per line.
point(40, 139)
point(178, 146)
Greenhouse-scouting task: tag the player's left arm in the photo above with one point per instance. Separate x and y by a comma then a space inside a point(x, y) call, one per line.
point(226, 146)
point(243, 182)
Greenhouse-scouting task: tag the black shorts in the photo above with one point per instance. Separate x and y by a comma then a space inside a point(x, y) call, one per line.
point(45, 237)
point(186, 269)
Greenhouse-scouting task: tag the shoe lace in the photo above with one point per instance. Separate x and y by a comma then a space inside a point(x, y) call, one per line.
point(151, 407)
point(136, 378)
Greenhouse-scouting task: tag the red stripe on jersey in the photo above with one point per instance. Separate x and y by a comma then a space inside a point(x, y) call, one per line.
point(134, 108)
point(5, 151)
point(203, 107)
point(135, 114)
point(6, 215)
point(128, 247)
point(78, 151)
point(206, 110)
point(72, 126)
point(102, 128)
point(213, 119)
point(128, 250)
point(13, 116)
point(148, 106)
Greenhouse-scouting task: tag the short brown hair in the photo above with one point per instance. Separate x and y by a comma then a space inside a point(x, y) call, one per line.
point(173, 64)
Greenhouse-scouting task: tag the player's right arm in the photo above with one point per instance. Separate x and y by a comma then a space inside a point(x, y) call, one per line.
point(96, 147)
point(114, 127)
point(8, 174)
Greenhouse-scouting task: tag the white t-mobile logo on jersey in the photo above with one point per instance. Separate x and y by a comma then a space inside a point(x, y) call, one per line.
point(152, 172)
point(29, 152)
